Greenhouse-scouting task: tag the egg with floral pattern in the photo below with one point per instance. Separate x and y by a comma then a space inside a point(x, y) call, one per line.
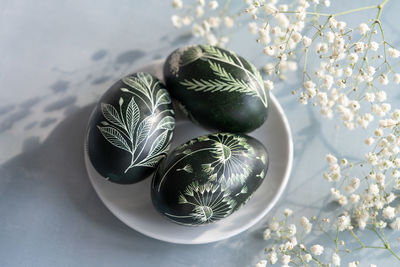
point(208, 178)
point(217, 88)
point(130, 129)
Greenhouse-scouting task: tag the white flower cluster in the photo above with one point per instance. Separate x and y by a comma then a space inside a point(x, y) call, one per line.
point(202, 25)
point(287, 248)
point(372, 203)
point(353, 67)
point(368, 202)
point(279, 32)
point(346, 81)
point(207, 27)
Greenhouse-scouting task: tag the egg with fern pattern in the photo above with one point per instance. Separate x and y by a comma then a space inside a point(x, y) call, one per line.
point(217, 88)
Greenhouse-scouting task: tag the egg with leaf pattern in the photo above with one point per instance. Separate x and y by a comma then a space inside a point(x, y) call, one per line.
point(217, 88)
point(208, 178)
point(130, 129)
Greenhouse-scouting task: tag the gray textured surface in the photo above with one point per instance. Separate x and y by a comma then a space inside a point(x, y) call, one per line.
point(58, 57)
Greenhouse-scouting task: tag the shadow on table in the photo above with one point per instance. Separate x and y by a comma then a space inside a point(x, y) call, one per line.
point(53, 174)
point(50, 180)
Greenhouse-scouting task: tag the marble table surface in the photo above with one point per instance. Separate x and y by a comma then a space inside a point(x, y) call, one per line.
point(57, 59)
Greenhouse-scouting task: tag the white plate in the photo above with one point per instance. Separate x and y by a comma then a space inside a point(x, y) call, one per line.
point(132, 203)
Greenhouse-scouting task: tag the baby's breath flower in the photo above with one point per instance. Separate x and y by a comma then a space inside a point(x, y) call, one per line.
point(292, 230)
point(269, 84)
point(369, 141)
point(274, 226)
point(272, 257)
point(354, 198)
point(336, 259)
point(269, 50)
point(388, 212)
point(287, 212)
point(341, 25)
point(213, 5)
point(267, 234)
point(229, 22)
point(285, 259)
point(342, 200)
point(348, 71)
point(395, 225)
point(383, 79)
point(306, 41)
point(343, 222)
point(199, 11)
point(197, 30)
point(374, 46)
point(394, 53)
point(381, 96)
point(177, 4)
point(317, 249)
point(296, 37)
point(331, 159)
point(396, 78)
point(305, 223)
point(307, 257)
point(176, 21)
point(373, 189)
point(390, 198)
point(353, 58)
point(370, 97)
point(261, 263)
point(327, 3)
point(363, 28)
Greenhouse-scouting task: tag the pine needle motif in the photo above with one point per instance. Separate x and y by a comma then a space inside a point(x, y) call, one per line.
point(123, 130)
point(231, 154)
point(252, 86)
point(210, 202)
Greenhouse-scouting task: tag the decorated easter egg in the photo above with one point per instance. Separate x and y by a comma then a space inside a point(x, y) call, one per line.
point(130, 129)
point(217, 88)
point(208, 178)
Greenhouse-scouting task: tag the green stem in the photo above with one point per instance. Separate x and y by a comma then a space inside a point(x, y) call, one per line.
point(340, 13)
point(356, 237)
point(357, 9)
point(226, 6)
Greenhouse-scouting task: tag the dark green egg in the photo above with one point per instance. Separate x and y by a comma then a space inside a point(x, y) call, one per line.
point(208, 178)
point(217, 88)
point(130, 129)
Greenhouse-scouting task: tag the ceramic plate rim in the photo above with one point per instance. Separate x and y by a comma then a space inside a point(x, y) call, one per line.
point(253, 221)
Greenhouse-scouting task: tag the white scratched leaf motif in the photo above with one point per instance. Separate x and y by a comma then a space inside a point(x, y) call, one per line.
point(136, 84)
point(113, 136)
point(111, 114)
point(152, 162)
point(162, 97)
point(143, 130)
point(125, 129)
point(132, 115)
point(158, 144)
point(167, 123)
